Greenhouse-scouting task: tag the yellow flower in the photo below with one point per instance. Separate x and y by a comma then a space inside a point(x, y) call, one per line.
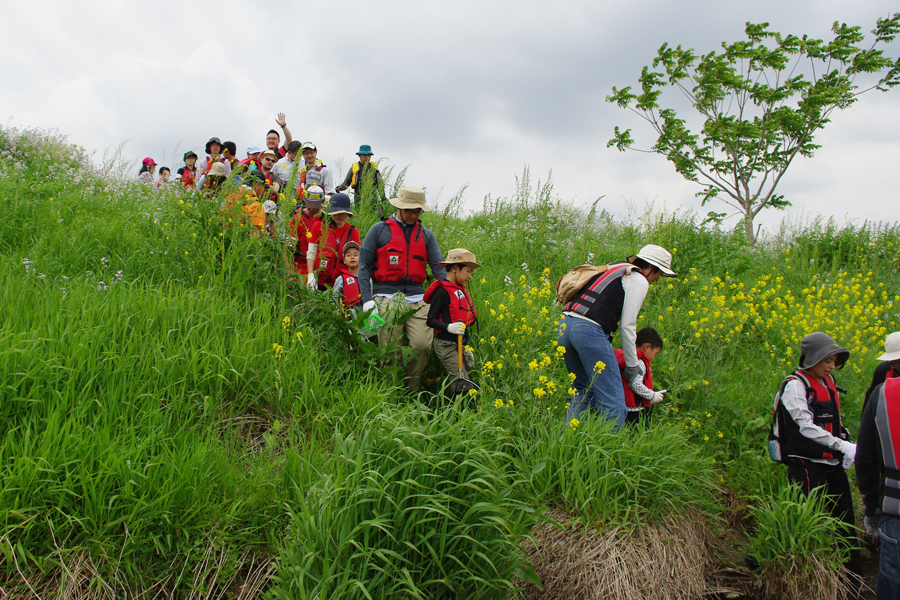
point(498, 403)
point(600, 366)
point(309, 235)
point(574, 423)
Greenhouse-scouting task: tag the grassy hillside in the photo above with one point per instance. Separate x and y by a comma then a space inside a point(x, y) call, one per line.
point(180, 416)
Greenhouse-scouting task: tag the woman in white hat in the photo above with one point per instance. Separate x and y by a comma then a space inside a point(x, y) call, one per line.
point(589, 321)
point(393, 258)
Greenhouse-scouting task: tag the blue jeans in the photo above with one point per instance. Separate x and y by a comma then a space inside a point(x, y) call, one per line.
point(889, 568)
point(587, 344)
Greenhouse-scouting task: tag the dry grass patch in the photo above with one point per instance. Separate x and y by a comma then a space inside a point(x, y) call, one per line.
point(575, 561)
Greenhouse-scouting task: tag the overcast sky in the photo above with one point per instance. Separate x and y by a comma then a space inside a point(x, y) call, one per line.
point(463, 92)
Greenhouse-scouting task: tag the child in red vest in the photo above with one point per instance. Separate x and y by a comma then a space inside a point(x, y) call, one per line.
point(327, 243)
point(639, 394)
point(450, 314)
point(346, 284)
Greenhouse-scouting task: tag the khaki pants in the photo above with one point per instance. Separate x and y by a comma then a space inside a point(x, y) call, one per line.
point(447, 353)
point(418, 336)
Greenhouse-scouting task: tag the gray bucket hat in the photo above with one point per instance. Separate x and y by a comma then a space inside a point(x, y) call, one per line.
point(818, 346)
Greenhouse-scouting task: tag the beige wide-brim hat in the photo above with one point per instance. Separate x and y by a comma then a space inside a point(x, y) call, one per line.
point(657, 256)
point(218, 169)
point(460, 256)
point(891, 348)
point(411, 197)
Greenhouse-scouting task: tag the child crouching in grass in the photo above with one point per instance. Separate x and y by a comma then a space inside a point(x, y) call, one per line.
point(450, 313)
point(639, 394)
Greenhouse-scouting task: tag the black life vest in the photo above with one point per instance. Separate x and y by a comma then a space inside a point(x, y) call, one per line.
point(887, 420)
point(824, 403)
point(601, 301)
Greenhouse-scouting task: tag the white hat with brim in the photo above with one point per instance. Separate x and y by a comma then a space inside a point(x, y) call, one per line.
point(411, 197)
point(657, 256)
point(459, 256)
point(891, 348)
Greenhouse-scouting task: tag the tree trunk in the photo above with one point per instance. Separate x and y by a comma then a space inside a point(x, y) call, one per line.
point(748, 229)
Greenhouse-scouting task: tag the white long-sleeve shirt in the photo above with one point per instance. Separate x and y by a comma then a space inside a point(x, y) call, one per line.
point(795, 402)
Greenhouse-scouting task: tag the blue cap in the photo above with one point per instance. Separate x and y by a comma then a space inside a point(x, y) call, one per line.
point(365, 149)
point(340, 203)
point(253, 150)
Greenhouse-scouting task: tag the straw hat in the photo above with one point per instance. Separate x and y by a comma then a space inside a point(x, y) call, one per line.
point(818, 346)
point(891, 347)
point(411, 197)
point(459, 256)
point(657, 256)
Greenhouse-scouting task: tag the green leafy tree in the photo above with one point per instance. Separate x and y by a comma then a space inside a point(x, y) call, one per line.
point(761, 100)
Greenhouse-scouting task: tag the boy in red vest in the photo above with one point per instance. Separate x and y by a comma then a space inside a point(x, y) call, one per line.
point(346, 283)
point(639, 394)
point(450, 314)
point(301, 226)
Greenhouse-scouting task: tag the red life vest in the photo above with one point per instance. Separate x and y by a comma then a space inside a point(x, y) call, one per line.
point(889, 375)
point(399, 262)
point(630, 398)
point(887, 420)
point(210, 162)
point(304, 223)
point(461, 306)
point(188, 177)
point(329, 249)
point(350, 292)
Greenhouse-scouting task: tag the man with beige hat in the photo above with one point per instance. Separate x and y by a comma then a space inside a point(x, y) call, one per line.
point(393, 260)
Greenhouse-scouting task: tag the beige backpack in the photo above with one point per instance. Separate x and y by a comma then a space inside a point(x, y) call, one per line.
point(576, 279)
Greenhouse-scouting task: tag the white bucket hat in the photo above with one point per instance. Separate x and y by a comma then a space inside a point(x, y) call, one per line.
point(411, 197)
point(891, 347)
point(657, 256)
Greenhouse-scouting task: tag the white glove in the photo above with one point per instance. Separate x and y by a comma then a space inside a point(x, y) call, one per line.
point(311, 282)
point(457, 328)
point(657, 397)
point(849, 450)
point(871, 524)
point(370, 305)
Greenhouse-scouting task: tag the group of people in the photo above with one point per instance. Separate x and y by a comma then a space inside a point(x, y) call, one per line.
point(291, 164)
point(384, 274)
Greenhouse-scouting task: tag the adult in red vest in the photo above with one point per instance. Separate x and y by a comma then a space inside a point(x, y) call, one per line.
point(878, 468)
point(189, 174)
point(393, 258)
point(589, 321)
point(817, 447)
point(214, 155)
point(326, 248)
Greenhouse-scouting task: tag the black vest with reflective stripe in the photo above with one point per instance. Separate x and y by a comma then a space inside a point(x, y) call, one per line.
point(887, 420)
point(601, 301)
